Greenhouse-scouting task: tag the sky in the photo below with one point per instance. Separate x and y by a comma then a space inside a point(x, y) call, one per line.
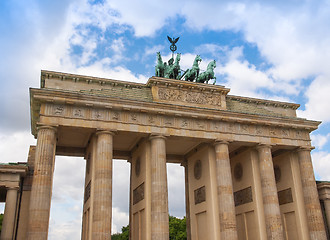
point(277, 50)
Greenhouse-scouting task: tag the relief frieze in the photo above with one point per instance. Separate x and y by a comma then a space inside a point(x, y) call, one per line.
point(168, 121)
point(273, 132)
point(176, 122)
point(200, 124)
point(179, 95)
point(184, 123)
point(59, 110)
point(98, 114)
point(244, 128)
point(79, 112)
point(285, 132)
point(133, 117)
point(259, 130)
point(115, 116)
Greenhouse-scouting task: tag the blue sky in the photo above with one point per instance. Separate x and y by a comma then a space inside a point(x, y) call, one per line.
point(266, 49)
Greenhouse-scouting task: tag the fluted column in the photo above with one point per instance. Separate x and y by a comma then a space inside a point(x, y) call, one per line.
point(186, 178)
point(159, 194)
point(226, 203)
point(274, 227)
point(102, 188)
point(41, 192)
point(8, 223)
point(327, 211)
point(311, 197)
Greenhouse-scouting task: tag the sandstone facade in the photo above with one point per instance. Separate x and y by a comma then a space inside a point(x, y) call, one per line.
point(247, 162)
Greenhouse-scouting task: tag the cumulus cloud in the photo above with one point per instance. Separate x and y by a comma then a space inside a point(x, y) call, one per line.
point(319, 140)
point(14, 147)
point(317, 94)
point(321, 165)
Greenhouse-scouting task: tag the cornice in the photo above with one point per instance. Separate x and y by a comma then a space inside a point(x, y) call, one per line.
point(257, 101)
point(45, 74)
point(14, 169)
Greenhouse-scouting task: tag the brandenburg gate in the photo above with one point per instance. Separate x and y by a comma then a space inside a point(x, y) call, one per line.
point(248, 168)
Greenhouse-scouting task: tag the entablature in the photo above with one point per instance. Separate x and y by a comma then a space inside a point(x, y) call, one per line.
point(57, 107)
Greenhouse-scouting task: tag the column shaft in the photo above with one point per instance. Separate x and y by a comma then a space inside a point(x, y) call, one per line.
point(159, 192)
point(188, 226)
point(41, 192)
point(311, 197)
point(226, 203)
point(274, 227)
point(8, 223)
point(102, 199)
point(327, 211)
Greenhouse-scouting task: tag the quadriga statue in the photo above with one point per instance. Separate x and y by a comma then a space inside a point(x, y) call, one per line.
point(170, 69)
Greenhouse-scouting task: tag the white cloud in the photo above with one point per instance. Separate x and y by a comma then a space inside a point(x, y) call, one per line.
point(70, 230)
point(119, 220)
point(319, 140)
point(317, 106)
point(102, 69)
point(14, 147)
point(321, 165)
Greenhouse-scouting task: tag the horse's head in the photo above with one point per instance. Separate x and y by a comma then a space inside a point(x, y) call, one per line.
point(213, 64)
point(198, 58)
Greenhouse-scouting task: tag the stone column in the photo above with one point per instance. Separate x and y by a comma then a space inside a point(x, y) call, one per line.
point(102, 199)
point(159, 194)
point(274, 227)
point(327, 211)
point(311, 197)
point(185, 165)
point(41, 192)
point(225, 192)
point(8, 223)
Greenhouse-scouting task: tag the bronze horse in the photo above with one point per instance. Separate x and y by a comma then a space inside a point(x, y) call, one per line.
point(204, 77)
point(192, 74)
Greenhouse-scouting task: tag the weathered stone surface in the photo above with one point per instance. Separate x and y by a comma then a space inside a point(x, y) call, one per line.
point(312, 202)
point(41, 192)
point(191, 116)
point(159, 192)
point(225, 192)
point(8, 223)
point(274, 227)
point(102, 201)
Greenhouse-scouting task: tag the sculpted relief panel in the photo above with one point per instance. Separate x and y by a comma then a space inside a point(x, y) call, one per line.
point(127, 116)
point(178, 95)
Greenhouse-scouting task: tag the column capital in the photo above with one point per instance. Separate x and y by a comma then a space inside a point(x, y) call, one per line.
point(50, 127)
point(263, 145)
point(103, 131)
point(12, 188)
point(155, 136)
point(220, 141)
